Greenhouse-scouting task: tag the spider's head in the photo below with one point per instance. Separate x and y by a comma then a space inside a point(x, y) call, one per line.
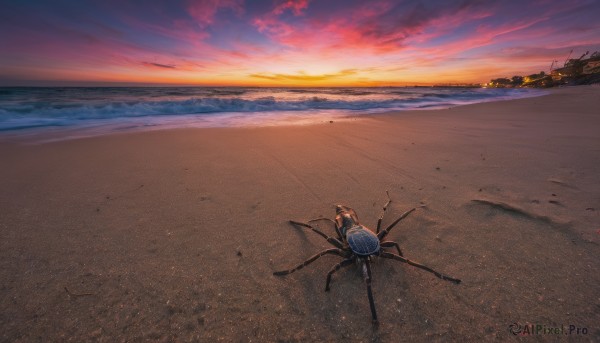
point(345, 216)
point(339, 209)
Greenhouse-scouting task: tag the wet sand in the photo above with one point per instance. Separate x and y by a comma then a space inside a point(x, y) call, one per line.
point(174, 235)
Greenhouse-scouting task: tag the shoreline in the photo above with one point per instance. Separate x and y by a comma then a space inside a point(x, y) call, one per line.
point(277, 118)
point(174, 234)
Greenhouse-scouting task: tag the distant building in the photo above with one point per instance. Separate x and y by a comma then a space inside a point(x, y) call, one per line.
point(577, 67)
point(568, 71)
point(576, 71)
point(559, 73)
point(591, 67)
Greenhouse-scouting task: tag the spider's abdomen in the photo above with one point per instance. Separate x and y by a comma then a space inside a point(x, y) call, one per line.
point(362, 241)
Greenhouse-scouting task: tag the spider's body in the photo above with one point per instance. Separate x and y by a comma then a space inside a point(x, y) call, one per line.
point(360, 239)
point(357, 243)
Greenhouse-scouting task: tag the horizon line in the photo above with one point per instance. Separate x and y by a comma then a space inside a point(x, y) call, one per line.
point(82, 84)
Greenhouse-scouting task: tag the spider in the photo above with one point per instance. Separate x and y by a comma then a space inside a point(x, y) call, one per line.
point(357, 243)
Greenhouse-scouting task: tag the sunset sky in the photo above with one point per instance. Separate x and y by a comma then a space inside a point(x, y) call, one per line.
point(288, 43)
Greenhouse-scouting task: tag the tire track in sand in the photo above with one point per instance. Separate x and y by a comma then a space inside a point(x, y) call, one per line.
point(389, 167)
point(293, 175)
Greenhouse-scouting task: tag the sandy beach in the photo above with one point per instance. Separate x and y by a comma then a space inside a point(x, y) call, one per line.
point(174, 235)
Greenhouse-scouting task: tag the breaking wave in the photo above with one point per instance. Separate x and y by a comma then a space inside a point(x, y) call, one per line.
point(22, 108)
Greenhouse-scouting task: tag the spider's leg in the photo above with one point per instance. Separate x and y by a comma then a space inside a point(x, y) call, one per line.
point(337, 229)
point(390, 244)
point(335, 268)
point(383, 213)
point(418, 265)
point(367, 275)
point(381, 235)
point(339, 233)
point(335, 242)
point(310, 260)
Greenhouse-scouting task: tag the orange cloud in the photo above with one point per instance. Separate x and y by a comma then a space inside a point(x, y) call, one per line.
point(304, 77)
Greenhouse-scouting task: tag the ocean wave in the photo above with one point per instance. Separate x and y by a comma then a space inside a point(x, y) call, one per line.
point(84, 110)
point(103, 110)
point(332, 91)
point(24, 108)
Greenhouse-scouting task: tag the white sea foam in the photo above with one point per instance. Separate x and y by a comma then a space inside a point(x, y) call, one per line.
point(25, 109)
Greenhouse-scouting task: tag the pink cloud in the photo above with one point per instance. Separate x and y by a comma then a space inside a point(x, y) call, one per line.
point(204, 11)
point(274, 27)
point(378, 26)
point(296, 6)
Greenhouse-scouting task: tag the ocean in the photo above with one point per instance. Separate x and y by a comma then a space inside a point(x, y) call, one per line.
point(100, 110)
